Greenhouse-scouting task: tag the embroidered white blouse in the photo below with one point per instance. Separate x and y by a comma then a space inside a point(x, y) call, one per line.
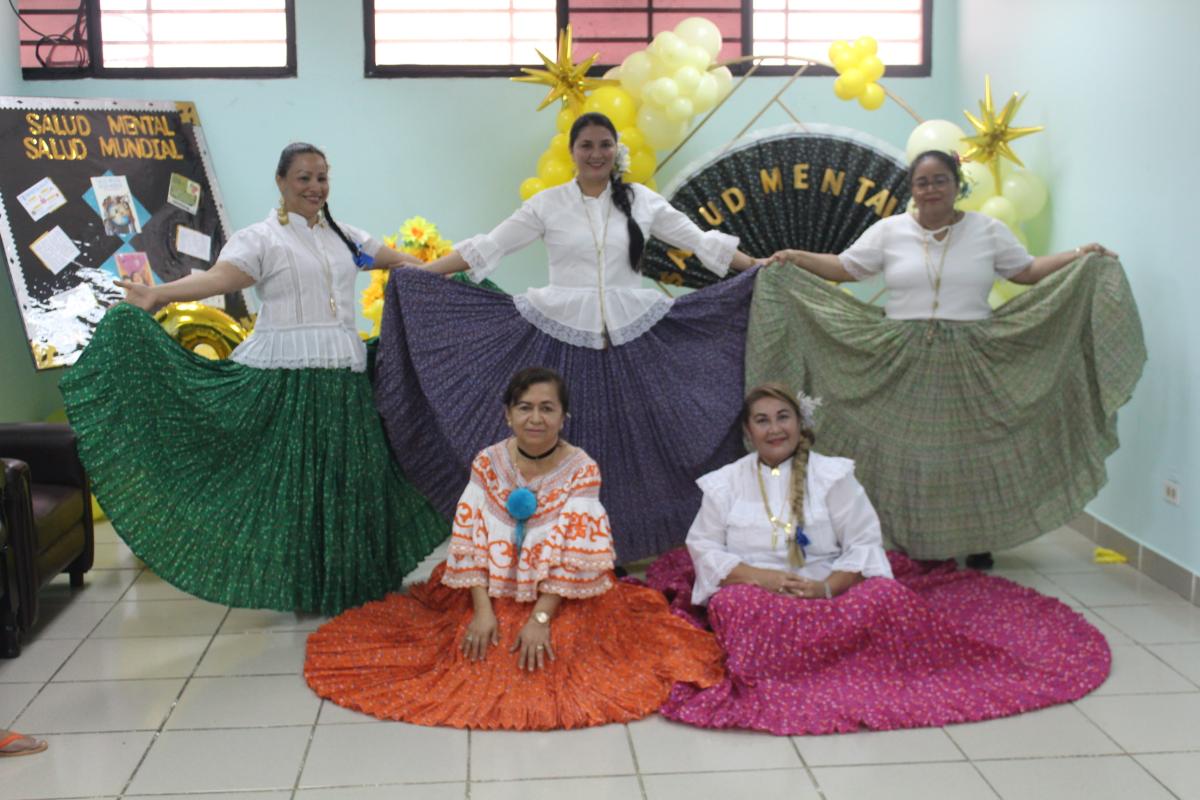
point(733, 527)
point(567, 549)
point(584, 300)
point(976, 250)
point(296, 270)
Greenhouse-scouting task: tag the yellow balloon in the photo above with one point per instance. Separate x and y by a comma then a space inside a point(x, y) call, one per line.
point(706, 93)
point(661, 92)
point(530, 187)
point(853, 81)
point(555, 170)
point(687, 79)
point(566, 117)
point(641, 166)
point(681, 109)
point(632, 138)
point(872, 67)
point(935, 134)
point(670, 50)
point(865, 46)
point(841, 90)
point(724, 81)
point(1026, 191)
point(660, 131)
point(201, 329)
point(702, 33)
point(651, 184)
point(613, 102)
point(840, 55)
point(560, 143)
point(980, 186)
point(635, 71)
point(1000, 208)
point(872, 97)
point(696, 57)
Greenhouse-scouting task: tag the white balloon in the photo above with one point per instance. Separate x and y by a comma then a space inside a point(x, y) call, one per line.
point(935, 134)
point(1001, 208)
point(680, 109)
point(635, 71)
point(700, 32)
point(724, 81)
point(661, 132)
point(980, 184)
point(687, 79)
point(613, 74)
point(1026, 191)
point(670, 50)
point(705, 94)
point(660, 91)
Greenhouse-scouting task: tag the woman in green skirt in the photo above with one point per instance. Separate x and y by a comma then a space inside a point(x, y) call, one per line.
point(264, 480)
point(971, 432)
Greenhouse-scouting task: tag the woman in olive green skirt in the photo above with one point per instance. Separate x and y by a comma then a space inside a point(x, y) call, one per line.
point(264, 480)
point(971, 432)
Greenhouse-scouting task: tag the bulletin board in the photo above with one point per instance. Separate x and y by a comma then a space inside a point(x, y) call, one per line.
point(96, 190)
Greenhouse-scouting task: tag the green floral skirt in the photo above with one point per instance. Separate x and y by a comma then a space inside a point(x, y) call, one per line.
point(968, 436)
point(261, 488)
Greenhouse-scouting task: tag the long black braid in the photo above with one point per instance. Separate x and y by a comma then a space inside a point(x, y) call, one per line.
point(622, 195)
point(285, 163)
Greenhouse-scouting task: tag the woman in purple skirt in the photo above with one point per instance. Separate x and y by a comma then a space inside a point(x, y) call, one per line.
point(642, 366)
point(786, 554)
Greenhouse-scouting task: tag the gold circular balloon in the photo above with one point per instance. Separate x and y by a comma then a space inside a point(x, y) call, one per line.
point(202, 329)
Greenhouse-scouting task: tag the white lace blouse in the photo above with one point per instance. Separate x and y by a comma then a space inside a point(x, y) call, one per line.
point(296, 270)
point(733, 528)
point(976, 251)
point(584, 299)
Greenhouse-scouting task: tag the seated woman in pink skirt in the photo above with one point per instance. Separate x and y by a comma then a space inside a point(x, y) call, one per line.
point(787, 555)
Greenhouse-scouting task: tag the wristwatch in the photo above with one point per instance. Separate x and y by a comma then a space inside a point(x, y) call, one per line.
point(541, 617)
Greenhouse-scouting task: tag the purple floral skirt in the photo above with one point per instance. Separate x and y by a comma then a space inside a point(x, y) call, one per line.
point(937, 645)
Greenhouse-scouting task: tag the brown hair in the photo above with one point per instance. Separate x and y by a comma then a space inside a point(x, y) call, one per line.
point(780, 392)
point(526, 378)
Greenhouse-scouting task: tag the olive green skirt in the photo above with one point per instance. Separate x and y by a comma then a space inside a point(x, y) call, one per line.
point(261, 488)
point(968, 436)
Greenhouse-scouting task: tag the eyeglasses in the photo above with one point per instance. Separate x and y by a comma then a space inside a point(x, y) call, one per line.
point(939, 181)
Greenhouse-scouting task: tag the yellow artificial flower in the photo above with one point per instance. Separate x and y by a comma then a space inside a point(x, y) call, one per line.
point(417, 231)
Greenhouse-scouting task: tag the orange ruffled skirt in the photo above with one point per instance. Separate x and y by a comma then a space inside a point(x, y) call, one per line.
point(618, 655)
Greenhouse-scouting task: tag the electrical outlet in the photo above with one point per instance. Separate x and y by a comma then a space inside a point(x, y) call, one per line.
point(1171, 492)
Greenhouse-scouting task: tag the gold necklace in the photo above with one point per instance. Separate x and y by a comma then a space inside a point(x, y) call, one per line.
point(599, 245)
point(935, 276)
point(777, 524)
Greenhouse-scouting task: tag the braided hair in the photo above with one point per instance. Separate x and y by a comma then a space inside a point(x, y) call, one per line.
point(622, 195)
point(286, 157)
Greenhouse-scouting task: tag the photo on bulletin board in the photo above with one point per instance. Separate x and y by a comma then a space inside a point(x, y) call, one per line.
point(94, 191)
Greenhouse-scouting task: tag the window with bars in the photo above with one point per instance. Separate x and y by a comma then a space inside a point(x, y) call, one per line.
point(157, 38)
point(416, 38)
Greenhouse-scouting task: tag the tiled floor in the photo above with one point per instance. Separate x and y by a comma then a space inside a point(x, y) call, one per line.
point(145, 692)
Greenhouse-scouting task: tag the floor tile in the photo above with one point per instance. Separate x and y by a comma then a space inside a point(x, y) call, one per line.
point(247, 620)
point(1105, 778)
point(663, 746)
point(878, 747)
point(279, 795)
point(100, 706)
point(1039, 583)
point(903, 782)
point(39, 659)
point(115, 555)
point(1179, 772)
point(125, 659)
point(618, 788)
point(13, 699)
point(103, 586)
point(104, 532)
point(1116, 586)
point(509, 755)
point(333, 714)
point(1184, 658)
point(161, 618)
point(1113, 635)
point(1055, 731)
point(1149, 723)
point(792, 784)
point(255, 654)
point(384, 752)
point(222, 761)
point(245, 702)
point(76, 765)
point(428, 564)
point(1062, 550)
point(149, 586)
point(412, 791)
point(73, 620)
point(1156, 624)
point(1136, 670)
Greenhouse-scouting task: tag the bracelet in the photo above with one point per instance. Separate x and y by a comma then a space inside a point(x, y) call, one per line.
point(828, 591)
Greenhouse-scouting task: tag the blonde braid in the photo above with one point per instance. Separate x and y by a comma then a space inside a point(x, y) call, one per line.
point(799, 477)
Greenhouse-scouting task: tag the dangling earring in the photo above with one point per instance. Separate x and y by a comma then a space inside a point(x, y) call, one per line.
point(281, 213)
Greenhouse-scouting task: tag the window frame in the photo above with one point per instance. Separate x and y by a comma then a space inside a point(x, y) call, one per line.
point(96, 69)
point(562, 10)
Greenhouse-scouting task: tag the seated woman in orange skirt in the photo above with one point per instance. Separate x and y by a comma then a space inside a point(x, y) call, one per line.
point(525, 626)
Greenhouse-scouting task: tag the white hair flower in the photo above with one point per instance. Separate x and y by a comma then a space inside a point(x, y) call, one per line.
point(808, 409)
point(621, 163)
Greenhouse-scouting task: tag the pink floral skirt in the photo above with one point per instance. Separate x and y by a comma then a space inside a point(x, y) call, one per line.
point(935, 646)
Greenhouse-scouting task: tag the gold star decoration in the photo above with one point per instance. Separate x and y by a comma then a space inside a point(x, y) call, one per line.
point(994, 131)
point(567, 81)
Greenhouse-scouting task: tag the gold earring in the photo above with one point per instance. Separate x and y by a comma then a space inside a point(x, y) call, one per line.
point(281, 213)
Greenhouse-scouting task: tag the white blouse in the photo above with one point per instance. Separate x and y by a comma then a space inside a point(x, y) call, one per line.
point(296, 270)
point(583, 300)
point(976, 250)
point(733, 527)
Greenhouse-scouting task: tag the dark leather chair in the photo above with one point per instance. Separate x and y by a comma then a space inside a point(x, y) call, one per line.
point(10, 637)
point(47, 507)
